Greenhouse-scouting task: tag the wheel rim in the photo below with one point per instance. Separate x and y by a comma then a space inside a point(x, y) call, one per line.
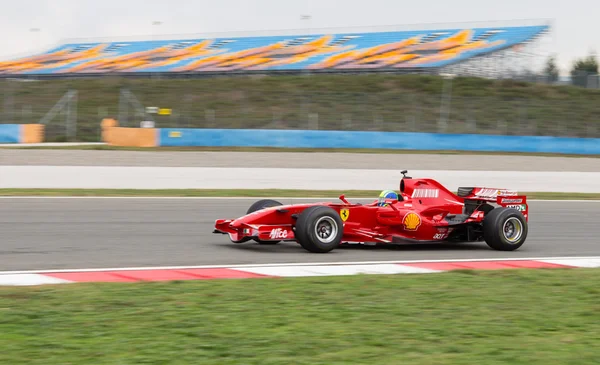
point(512, 230)
point(326, 229)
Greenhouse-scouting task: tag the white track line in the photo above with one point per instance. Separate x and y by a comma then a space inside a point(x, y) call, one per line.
point(565, 258)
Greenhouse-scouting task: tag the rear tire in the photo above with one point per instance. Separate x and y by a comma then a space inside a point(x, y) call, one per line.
point(259, 205)
point(319, 229)
point(505, 229)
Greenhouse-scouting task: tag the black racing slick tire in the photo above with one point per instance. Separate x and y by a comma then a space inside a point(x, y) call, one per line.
point(262, 204)
point(505, 229)
point(319, 229)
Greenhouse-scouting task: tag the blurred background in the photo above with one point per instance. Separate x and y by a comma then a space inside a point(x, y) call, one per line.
point(523, 68)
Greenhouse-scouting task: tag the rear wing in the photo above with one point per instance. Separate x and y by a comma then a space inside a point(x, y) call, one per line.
point(487, 194)
point(503, 197)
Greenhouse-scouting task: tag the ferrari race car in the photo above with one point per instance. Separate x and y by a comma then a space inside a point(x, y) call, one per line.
point(424, 212)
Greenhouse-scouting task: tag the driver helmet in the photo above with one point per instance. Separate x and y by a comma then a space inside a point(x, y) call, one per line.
point(386, 194)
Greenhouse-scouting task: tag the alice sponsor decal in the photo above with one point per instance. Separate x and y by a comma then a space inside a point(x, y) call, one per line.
point(278, 233)
point(411, 221)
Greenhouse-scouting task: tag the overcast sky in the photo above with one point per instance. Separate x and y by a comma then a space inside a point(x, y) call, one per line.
point(576, 22)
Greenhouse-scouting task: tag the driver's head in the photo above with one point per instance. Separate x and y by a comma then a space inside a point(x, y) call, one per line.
point(386, 194)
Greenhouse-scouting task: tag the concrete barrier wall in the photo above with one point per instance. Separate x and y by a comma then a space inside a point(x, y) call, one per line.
point(375, 140)
point(21, 133)
point(32, 133)
point(192, 137)
point(131, 137)
point(114, 135)
point(9, 133)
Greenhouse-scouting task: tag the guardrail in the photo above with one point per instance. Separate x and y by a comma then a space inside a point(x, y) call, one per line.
point(193, 137)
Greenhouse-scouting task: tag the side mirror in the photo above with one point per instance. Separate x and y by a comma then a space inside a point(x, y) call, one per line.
point(343, 198)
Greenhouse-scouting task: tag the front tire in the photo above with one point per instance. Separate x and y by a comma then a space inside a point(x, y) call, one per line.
point(259, 205)
point(319, 229)
point(505, 229)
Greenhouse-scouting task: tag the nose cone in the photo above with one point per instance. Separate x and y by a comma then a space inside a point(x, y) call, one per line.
point(248, 218)
point(236, 223)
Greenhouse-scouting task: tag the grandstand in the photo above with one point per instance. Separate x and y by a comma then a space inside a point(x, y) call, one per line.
point(486, 51)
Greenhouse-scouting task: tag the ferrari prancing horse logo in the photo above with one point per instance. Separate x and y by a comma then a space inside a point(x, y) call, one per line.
point(344, 213)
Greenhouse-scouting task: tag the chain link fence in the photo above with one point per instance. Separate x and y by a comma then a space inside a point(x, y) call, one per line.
point(276, 105)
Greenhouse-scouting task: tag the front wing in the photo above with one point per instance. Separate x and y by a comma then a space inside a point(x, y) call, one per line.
point(265, 232)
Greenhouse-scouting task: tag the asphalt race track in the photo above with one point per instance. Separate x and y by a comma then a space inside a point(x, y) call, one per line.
point(77, 233)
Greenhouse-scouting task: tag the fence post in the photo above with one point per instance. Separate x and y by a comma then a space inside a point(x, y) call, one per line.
point(26, 114)
point(123, 112)
point(72, 113)
point(8, 102)
point(445, 102)
point(68, 102)
point(313, 121)
point(209, 117)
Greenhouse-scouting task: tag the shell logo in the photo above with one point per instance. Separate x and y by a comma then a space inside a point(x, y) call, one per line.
point(411, 221)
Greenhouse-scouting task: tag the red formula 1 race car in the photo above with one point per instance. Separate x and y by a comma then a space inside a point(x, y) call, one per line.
point(424, 211)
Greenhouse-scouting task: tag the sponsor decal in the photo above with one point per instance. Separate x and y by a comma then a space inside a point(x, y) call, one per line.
point(344, 214)
point(439, 236)
point(478, 214)
point(519, 207)
point(492, 193)
point(511, 201)
point(174, 134)
point(278, 233)
point(487, 192)
point(411, 221)
point(426, 193)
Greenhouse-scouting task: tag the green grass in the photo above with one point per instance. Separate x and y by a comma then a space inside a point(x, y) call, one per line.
point(282, 193)
point(347, 102)
point(284, 150)
point(545, 317)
